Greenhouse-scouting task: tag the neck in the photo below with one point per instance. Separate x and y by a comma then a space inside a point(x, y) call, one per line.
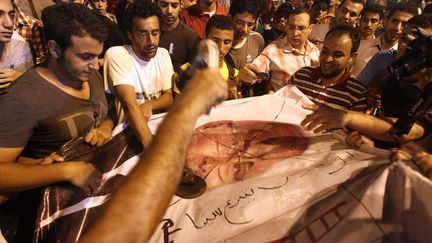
point(54, 73)
point(368, 37)
point(330, 81)
point(207, 8)
point(238, 41)
point(386, 44)
point(170, 27)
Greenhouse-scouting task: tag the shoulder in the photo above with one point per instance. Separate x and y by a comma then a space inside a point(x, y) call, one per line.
point(256, 37)
point(116, 51)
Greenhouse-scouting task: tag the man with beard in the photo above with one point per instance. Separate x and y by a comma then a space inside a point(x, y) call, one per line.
point(180, 41)
point(139, 75)
point(285, 56)
point(197, 15)
point(348, 13)
point(247, 44)
point(393, 27)
point(331, 84)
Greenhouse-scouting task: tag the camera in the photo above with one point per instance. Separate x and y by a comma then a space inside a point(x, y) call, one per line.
point(418, 56)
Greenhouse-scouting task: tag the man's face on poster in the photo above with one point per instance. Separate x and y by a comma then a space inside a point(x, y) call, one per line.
point(224, 152)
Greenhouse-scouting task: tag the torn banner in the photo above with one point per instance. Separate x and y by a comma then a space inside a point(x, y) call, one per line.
point(268, 181)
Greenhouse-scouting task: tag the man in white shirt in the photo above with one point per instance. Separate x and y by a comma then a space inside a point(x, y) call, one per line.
point(393, 27)
point(139, 75)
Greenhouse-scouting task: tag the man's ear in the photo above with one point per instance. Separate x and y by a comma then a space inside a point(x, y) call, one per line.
point(353, 58)
point(54, 49)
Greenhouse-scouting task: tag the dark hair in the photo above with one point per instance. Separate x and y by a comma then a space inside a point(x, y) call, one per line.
point(317, 2)
point(284, 10)
point(422, 21)
point(373, 8)
point(140, 9)
point(354, 1)
point(299, 11)
point(348, 30)
point(242, 6)
point(65, 20)
point(427, 9)
point(406, 7)
point(222, 22)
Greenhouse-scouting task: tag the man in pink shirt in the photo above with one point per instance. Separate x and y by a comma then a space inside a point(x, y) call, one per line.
point(285, 56)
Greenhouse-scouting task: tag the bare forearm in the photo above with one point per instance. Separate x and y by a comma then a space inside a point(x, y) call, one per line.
point(162, 103)
point(159, 171)
point(18, 177)
point(138, 124)
point(378, 128)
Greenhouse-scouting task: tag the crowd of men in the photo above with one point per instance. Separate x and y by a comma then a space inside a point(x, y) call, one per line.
point(81, 70)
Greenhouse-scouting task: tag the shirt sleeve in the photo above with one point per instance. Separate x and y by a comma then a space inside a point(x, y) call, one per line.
point(117, 67)
point(16, 122)
point(262, 61)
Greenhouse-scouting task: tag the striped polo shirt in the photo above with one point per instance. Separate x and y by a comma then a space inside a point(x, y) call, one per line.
point(346, 93)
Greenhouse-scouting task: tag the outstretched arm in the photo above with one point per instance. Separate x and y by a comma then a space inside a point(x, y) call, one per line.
point(326, 118)
point(140, 202)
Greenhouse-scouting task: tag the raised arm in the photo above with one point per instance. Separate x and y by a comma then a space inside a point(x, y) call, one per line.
point(146, 192)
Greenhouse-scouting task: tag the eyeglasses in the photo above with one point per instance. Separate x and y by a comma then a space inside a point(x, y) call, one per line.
point(300, 28)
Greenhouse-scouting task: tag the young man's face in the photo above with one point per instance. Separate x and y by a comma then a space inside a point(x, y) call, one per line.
point(393, 27)
point(223, 39)
point(298, 29)
point(318, 10)
point(348, 13)
point(80, 59)
point(101, 5)
point(170, 11)
point(145, 36)
point(244, 23)
point(369, 23)
point(7, 18)
point(335, 56)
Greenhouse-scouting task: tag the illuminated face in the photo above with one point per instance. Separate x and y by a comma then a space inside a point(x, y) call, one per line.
point(369, 23)
point(7, 18)
point(223, 39)
point(393, 27)
point(80, 59)
point(335, 56)
point(348, 13)
point(244, 23)
point(145, 36)
point(101, 5)
point(224, 152)
point(298, 29)
point(170, 11)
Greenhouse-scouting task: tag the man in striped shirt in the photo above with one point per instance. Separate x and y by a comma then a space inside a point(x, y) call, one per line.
point(331, 84)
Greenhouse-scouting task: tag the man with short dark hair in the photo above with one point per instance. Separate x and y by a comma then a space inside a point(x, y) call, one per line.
point(180, 41)
point(247, 43)
point(54, 103)
point(331, 84)
point(139, 74)
point(348, 13)
point(285, 56)
point(219, 29)
point(370, 20)
point(393, 27)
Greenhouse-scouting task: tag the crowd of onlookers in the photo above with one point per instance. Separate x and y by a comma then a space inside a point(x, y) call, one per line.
point(87, 65)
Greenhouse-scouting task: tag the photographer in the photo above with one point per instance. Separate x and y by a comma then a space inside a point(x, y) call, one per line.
point(397, 95)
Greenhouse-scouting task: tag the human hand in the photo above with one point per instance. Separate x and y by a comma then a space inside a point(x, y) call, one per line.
point(373, 99)
point(83, 175)
point(207, 88)
point(147, 110)
point(98, 136)
point(356, 140)
point(52, 158)
point(324, 118)
point(7, 76)
point(248, 73)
